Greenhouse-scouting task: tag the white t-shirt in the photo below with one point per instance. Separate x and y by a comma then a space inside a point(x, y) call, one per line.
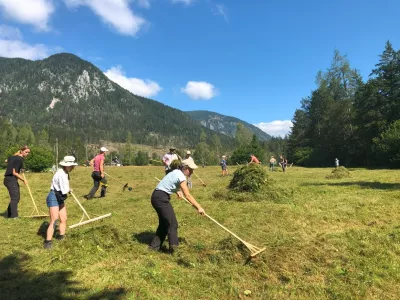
point(171, 182)
point(60, 182)
point(168, 158)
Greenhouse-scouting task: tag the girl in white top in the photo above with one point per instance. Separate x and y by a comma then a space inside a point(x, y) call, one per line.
point(55, 199)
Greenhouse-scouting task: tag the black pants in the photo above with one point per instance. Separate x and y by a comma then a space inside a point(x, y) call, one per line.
point(96, 183)
point(167, 222)
point(12, 186)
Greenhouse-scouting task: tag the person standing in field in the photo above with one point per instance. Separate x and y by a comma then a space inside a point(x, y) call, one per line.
point(173, 182)
point(223, 165)
point(98, 175)
point(272, 163)
point(59, 190)
point(14, 165)
point(283, 163)
point(168, 158)
point(189, 178)
point(336, 163)
point(254, 159)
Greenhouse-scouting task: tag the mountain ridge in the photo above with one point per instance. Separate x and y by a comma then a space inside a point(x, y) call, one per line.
point(225, 124)
point(73, 98)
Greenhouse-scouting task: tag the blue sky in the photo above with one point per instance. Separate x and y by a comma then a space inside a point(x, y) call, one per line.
point(254, 60)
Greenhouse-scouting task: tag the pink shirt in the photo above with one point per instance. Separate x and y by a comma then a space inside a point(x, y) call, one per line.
point(97, 160)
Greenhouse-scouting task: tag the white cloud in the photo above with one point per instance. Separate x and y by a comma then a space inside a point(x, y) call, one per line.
point(221, 10)
point(137, 86)
point(8, 32)
point(116, 13)
point(12, 45)
point(200, 90)
point(33, 12)
point(276, 128)
point(17, 48)
point(186, 2)
point(143, 3)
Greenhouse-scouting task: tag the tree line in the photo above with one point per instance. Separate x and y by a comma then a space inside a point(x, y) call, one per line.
point(357, 122)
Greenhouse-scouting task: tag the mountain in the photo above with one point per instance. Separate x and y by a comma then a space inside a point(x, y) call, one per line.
point(225, 124)
point(73, 98)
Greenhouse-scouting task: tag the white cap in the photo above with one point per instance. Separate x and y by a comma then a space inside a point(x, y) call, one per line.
point(103, 149)
point(188, 152)
point(190, 163)
point(68, 161)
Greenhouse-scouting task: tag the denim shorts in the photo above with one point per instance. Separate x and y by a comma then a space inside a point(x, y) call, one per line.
point(52, 201)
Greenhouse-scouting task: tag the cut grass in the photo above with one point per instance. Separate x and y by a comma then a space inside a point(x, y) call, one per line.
point(335, 240)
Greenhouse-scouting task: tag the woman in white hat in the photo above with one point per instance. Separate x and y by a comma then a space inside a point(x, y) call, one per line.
point(55, 199)
point(160, 200)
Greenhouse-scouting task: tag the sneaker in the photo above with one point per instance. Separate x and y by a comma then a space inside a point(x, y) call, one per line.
point(60, 237)
point(47, 245)
point(87, 197)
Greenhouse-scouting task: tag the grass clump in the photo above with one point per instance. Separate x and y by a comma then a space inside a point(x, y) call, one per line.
point(248, 178)
point(338, 173)
point(251, 183)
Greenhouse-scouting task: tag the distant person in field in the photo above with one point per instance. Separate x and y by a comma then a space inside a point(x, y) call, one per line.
point(283, 163)
point(224, 166)
point(336, 163)
point(98, 175)
point(173, 182)
point(189, 178)
point(59, 190)
point(14, 165)
point(272, 163)
point(254, 159)
point(168, 158)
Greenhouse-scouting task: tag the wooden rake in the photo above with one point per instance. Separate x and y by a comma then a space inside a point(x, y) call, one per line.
point(125, 186)
point(36, 213)
point(254, 250)
point(81, 222)
point(200, 179)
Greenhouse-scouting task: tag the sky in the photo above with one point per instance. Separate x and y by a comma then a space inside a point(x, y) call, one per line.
point(254, 59)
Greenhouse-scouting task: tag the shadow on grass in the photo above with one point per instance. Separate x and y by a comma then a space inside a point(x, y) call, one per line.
point(18, 282)
point(144, 237)
point(362, 184)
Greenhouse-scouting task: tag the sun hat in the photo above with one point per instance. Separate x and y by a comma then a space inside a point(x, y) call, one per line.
point(172, 148)
point(189, 163)
point(223, 155)
point(188, 152)
point(68, 161)
point(103, 149)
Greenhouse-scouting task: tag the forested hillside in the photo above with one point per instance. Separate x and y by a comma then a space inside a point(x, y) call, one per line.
point(70, 98)
point(225, 124)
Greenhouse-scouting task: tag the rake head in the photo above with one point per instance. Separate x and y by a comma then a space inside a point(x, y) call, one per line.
point(126, 187)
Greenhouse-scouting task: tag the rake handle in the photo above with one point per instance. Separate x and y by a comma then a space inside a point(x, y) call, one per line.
point(30, 193)
point(199, 178)
point(114, 179)
point(80, 205)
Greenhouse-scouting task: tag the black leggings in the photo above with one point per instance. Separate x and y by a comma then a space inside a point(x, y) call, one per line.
point(12, 186)
point(167, 222)
point(96, 183)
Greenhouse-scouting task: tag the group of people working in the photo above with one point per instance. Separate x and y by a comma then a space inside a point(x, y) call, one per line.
point(178, 172)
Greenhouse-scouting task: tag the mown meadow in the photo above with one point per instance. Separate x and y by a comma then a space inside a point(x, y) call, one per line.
point(334, 239)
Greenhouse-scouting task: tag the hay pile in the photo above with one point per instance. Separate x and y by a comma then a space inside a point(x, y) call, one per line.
point(252, 183)
point(338, 173)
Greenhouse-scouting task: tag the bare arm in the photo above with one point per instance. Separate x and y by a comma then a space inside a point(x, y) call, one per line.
point(190, 198)
point(102, 168)
point(16, 174)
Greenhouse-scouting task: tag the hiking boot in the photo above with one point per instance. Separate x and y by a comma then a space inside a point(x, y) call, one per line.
point(47, 245)
point(60, 237)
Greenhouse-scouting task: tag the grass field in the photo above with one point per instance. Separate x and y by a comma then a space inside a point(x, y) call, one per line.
point(336, 239)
